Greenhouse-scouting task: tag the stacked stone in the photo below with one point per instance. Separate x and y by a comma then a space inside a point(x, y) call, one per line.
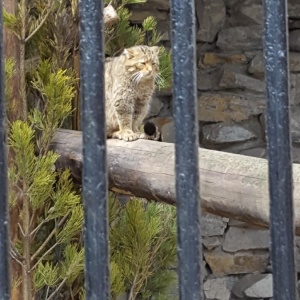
point(231, 113)
point(231, 87)
point(236, 260)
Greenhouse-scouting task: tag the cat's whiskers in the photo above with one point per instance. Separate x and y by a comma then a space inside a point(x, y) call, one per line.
point(136, 77)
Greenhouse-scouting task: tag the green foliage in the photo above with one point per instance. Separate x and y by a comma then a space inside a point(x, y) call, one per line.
point(9, 73)
point(54, 212)
point(56, 90)
point(164, 80)
point(124, 34)
point(143, 247)
point(142, 236)
point(46, 275)
point(12, 22)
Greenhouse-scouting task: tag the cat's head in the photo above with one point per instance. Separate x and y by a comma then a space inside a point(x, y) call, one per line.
point(141, 62)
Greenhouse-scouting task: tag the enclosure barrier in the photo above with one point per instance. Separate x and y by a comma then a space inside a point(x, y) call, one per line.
point(187, 178)
point(279, 149)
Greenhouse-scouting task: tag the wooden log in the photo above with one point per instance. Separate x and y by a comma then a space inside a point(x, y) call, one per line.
point(231, 185)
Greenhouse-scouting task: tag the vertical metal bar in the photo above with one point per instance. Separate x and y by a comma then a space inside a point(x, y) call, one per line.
point(94, 150)
point(186, 127)
point(279, 149)
point(4, 240)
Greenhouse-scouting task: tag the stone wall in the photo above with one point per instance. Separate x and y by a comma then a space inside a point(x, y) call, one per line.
point(231, 88)
point(231, 113)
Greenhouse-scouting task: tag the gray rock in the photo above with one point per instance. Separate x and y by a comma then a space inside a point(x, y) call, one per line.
point(247, 281)
point(216, 289)
point(294, 62)
point(294, 10)
point(262, 288)
point(295, 124)
point(204, 270)
point(213, 225)
point(168, 133)
point(240, 38)
point(244, 13)
point(297, 241)
point(211, 18)
point(138, 16)
point(294, 40)
point(155, 106)
point(223, 106)
point(207, 80)
point(163, 27)
point(260, 152)
point(295, 89)
point(297, 259)
point(257, 65)
point(238, 238)
point(294, 24)
point(222, 263)
point(235, 80)
point(239, 147)
point(214, 58)
point(252, 11)
point(237, 223)
point(211, 242)
point(152, 5)
point(230, 132)
point(296, 155)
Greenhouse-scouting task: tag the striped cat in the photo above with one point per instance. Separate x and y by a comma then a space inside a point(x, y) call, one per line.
point(129, 85)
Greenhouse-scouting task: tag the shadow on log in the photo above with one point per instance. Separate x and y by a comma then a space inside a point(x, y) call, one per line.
point(231, 185)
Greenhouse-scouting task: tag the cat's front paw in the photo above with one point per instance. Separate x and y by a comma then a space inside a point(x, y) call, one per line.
point(126, 135)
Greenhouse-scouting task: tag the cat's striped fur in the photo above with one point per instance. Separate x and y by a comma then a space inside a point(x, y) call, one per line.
point(129, 85)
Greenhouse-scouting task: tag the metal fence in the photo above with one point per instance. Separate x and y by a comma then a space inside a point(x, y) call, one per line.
point(187, 178)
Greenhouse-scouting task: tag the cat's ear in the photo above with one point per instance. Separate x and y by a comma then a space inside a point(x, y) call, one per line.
point(155, 49)
point(127, 53)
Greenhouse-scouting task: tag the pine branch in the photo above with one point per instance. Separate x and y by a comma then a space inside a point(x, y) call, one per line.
point(133, 293)
point(21, 229)
point(44, 255)
point(23, 17)
point(44, 244)
point(57, 289)
point(37, 228)
point(16, 255)
point(39, 26)
point(27, 283)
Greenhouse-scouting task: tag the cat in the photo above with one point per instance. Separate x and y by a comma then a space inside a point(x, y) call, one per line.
point(129, 86)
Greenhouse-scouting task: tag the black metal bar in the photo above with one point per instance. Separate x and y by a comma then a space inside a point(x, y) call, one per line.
point(95, 185)
point(279, 149)
point(4, 239)
point(186, 127)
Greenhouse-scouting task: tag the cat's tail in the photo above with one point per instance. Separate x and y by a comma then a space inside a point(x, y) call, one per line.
point(153, 127)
